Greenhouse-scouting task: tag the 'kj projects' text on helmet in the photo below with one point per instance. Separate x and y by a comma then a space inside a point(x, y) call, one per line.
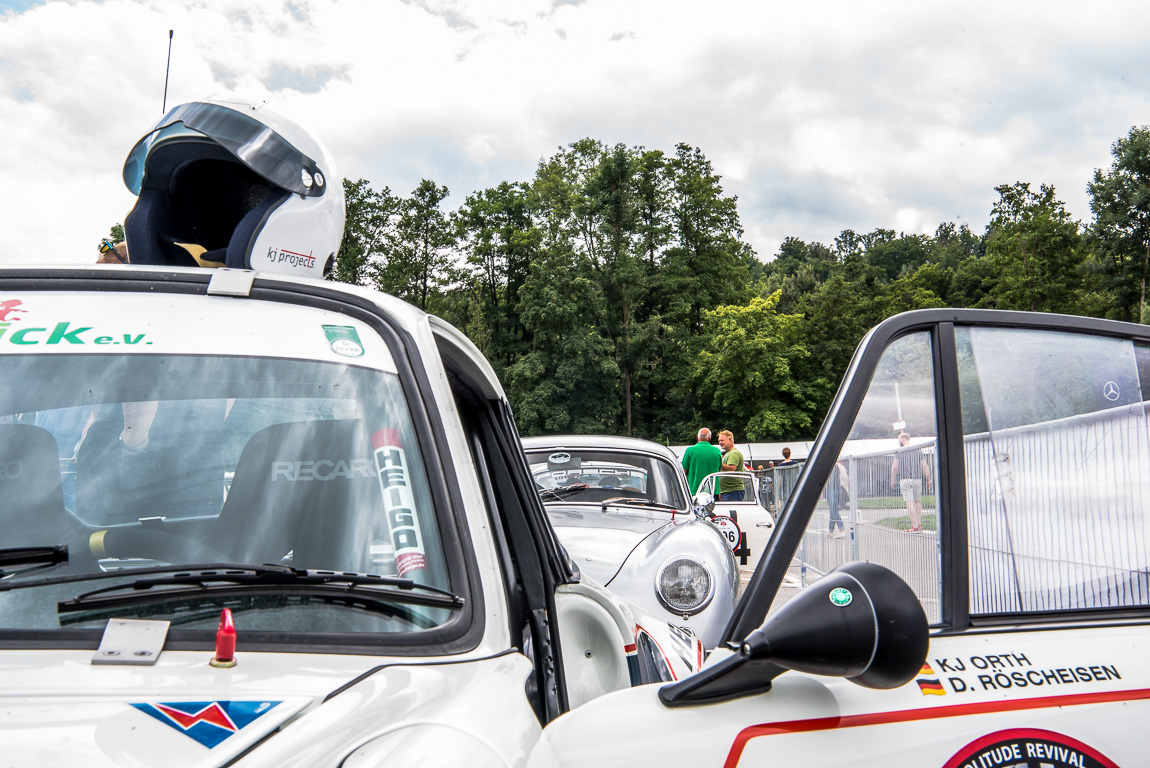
point(232, 184)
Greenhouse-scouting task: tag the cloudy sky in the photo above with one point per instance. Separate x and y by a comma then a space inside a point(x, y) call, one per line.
point(820, 116)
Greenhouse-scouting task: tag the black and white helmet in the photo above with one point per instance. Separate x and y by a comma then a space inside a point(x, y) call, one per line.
point(227, 183)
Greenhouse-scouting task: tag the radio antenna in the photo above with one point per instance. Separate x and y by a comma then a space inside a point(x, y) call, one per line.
point(167, 68)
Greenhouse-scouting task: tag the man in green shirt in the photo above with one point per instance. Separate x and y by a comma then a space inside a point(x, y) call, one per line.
point(730, 488)
point(700, 460)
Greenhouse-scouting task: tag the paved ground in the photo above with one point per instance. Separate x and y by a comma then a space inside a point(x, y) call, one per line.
point(790, 587)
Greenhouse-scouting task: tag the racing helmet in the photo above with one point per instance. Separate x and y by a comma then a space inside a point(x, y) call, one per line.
point(233, 184)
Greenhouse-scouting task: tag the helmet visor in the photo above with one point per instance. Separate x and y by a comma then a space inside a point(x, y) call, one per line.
point(251, 142)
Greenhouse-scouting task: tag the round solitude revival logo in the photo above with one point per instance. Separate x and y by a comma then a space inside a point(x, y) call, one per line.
point(1028, 748)
point(841, 596)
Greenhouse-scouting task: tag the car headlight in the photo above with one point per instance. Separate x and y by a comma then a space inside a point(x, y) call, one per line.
point(684, 585)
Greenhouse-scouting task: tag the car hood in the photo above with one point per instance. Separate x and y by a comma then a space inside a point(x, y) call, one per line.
point(599, 541)
point(294, 709)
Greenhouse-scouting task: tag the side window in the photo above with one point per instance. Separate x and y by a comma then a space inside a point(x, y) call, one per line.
point(1057, 454)
point(878, 504)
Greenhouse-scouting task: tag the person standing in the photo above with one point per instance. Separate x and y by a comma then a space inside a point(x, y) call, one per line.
point(908, 469)
point(701, 459)
point(730, 488)
point(837, 497)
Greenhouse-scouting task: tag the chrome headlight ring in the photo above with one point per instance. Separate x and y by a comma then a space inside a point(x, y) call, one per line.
point(684, 585)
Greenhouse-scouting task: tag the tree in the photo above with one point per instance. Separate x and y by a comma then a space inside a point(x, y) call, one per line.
point(566, 381)
point(746, 377)
point(896, 256)
point(418, 257)
point(499, 237)
point(1033, 246)
point(369, 220)
point(705, 260)
point(1120, 201)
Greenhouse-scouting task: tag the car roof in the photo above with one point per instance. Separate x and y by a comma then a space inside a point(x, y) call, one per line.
point(602, 442)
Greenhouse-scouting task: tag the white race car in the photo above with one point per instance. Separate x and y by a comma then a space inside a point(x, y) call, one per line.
point(262, 520)
point(1016, 515)
point(621, 508)
point(745, 520)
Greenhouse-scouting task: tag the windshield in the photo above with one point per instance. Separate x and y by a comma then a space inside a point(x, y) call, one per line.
point(134, 461)
point(585, 476)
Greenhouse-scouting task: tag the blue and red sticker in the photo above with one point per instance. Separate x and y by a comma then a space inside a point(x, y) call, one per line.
point(208, 722)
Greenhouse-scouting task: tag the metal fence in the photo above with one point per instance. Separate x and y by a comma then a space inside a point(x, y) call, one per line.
point(875, 528)
point(776, 484)
point(1058, 518)
point(1059, 513)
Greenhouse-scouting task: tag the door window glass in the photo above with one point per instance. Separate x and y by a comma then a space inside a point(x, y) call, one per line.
point(1057, 456)
point(879, 502)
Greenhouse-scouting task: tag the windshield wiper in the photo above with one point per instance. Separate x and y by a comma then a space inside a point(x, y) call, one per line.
point(37, 558)
point(363, 590)
point(49, 555)
point(633, 502)
point(563, 491)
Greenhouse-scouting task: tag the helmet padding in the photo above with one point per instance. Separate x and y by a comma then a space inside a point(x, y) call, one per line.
point(197, 194)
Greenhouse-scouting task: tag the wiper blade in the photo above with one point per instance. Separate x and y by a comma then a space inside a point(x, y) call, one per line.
point(195, 607)
point(57, 553)
point(246, 581)
point(563, 491)
point(633, 502)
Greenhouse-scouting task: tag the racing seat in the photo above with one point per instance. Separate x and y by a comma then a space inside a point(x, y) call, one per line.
point(304, 488)
point(32, 512)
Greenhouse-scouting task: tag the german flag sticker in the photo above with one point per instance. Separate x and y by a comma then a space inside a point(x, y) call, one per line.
point(930, 688)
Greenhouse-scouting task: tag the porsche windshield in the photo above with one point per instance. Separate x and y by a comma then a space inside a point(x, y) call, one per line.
point(592, 476)
point(135, 461)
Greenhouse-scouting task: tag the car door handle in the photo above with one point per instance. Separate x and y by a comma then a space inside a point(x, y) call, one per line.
point(764, 525)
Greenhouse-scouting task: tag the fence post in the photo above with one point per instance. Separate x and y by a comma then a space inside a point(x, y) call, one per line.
point(852, 481)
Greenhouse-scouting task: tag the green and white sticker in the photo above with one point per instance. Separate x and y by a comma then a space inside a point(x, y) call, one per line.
point(841, 596)
point(343, 340)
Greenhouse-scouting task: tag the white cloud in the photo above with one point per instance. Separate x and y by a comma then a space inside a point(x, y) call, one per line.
point(820, 117)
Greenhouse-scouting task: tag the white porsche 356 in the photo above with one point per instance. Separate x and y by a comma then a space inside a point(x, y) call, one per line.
point(621, 508)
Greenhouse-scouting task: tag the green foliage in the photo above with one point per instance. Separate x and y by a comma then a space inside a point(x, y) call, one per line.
point(567, 381)
point(746, 378)
point(1120, 201)
point(1034, 247)
point(369, 219)
point(418, 260)
point(613, 292)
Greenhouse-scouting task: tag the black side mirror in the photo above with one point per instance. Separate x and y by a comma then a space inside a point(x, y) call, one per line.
point(860, 621)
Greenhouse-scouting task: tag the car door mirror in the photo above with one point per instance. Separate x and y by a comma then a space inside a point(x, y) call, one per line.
point(860, 621)
point(704, 500)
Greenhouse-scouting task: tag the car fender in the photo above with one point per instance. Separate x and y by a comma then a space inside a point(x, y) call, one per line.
point(690, 536)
